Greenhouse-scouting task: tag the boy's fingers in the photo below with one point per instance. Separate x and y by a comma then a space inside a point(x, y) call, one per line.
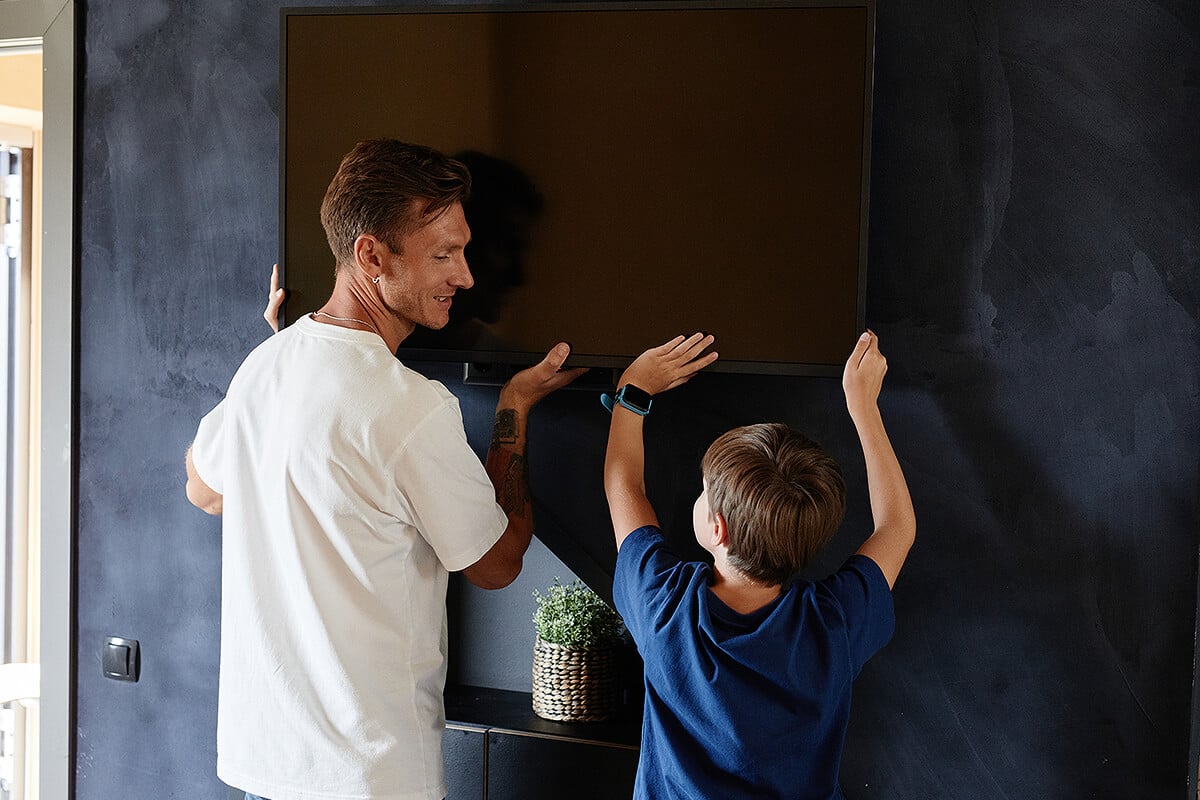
point(696, 364)
point(683, 343)
point(665, 347)
point(695, 343)
point(691, 368)
point(860, 348)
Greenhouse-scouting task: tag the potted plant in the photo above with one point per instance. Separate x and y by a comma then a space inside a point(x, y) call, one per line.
point(574, 655)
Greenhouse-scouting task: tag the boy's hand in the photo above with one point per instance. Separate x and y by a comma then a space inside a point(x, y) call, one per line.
point(863, 376)
point(891, 505)
point(655, 371)
point(274, 300)
point(669, 365)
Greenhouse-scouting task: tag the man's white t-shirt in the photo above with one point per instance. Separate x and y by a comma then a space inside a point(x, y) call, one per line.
point(349, 492)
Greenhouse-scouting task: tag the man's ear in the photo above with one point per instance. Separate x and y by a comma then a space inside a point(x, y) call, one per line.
point(368, 254)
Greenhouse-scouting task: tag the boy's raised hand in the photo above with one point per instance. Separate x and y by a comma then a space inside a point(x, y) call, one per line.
point(891, 505)
point(670, 364)
point(654, 371)
point(863, 376)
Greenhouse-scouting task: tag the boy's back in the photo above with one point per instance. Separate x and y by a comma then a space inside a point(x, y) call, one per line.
point(745, 705)
point(748, 673)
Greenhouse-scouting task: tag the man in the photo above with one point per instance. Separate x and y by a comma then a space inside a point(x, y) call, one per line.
point(348, 492)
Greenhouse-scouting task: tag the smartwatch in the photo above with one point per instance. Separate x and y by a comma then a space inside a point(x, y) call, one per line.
point(635, 399)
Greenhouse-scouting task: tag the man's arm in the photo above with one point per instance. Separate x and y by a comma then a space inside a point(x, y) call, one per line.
point(508, 469)
point(655, 371)
point(199, 493)
point(891, 506)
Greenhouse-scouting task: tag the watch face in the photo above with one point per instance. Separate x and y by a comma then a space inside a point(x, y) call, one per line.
point(633, 396)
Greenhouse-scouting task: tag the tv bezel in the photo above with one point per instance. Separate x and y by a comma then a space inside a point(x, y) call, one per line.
point(523, 358)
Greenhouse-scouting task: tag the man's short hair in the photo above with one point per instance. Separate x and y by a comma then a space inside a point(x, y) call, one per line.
point(388, 189)
point(782, 497)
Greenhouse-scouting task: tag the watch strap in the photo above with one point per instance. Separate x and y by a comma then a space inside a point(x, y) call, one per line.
point(634, 404)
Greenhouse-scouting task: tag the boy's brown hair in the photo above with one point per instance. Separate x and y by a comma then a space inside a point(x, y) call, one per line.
point(782, 497)
point(388, 188)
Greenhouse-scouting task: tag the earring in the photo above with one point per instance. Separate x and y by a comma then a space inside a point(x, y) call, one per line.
point(375, 280)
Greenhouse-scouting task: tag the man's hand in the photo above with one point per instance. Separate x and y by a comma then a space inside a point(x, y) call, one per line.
point(274, 300)
point(508, 469)
point(525, 389)
point(670, 364)
point(863, 376)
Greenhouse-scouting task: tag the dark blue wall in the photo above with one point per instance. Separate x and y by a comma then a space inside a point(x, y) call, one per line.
point(1033, 277)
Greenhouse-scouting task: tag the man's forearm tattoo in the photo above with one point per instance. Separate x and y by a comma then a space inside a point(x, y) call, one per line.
point(505, 430)
point(512, 489)
point(513, 493)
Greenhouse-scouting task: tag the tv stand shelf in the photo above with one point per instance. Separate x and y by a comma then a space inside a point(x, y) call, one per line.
point(512, 712)
point(497, 748)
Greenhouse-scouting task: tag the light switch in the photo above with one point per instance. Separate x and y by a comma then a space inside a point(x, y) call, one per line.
point(122, 659)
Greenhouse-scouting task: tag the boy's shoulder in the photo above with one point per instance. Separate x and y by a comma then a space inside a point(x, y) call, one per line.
point(647, 550)
point(648, 566)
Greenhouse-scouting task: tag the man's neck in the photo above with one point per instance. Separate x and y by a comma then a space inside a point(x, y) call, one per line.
point(351, 301)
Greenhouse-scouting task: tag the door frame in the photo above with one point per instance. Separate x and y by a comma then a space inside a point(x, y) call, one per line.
point(54, 23)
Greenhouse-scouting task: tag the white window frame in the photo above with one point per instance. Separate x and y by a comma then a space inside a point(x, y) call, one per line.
point(52, 22)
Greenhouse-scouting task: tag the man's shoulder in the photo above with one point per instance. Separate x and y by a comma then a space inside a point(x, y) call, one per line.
point(419, 390)
point(357, 363)
point(307, 354)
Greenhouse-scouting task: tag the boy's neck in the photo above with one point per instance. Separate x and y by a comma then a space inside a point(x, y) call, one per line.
point(739, 592)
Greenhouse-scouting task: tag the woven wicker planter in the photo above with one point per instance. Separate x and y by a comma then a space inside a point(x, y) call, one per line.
point(574, 684)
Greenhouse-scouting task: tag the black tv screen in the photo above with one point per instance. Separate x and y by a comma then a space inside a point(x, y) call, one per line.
point(639, 170)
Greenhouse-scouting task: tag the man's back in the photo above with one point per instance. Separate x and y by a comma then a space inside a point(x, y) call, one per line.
point(336, 546)
point(745, 705)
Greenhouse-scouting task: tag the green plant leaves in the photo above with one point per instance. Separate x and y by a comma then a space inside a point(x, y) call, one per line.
point(575, 616)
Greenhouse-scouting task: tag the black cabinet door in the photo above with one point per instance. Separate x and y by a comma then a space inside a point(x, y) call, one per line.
point(463, 750)
point(521, 767)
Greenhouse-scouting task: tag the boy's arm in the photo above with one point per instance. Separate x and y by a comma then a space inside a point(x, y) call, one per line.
point(655, 371)
point(624, 475)
point(891, 506)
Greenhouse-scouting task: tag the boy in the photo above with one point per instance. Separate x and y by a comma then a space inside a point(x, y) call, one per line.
point(748, 672)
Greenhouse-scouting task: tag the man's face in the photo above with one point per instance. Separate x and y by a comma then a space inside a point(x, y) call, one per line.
point(419, 283)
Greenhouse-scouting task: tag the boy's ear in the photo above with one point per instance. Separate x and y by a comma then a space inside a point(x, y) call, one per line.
point(720, 530)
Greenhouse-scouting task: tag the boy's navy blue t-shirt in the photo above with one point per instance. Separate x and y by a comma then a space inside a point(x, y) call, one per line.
point(745, 705)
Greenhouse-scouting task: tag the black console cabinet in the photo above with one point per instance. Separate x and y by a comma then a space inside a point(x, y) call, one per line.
point(496, 748)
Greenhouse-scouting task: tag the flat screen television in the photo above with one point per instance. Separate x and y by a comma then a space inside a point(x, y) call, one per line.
point(640, 169)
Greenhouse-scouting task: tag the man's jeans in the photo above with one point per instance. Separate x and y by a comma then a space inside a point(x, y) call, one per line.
point(254, 797)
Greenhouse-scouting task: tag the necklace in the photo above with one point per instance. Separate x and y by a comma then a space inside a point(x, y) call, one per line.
point(347, 319)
